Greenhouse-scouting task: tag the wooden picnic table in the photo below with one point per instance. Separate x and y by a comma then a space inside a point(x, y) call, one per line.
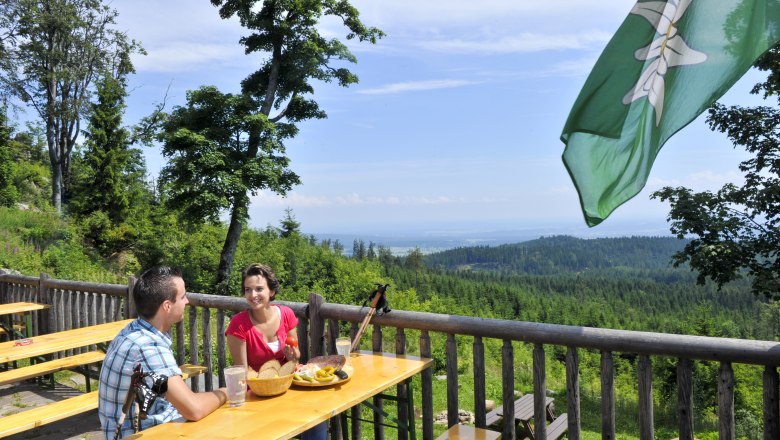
point(55, 342)
point(298, 409)
point(21, 307)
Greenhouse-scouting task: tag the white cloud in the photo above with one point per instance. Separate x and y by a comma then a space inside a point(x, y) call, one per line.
point(705, 180)
point(519, 43)
point(299, 200)
point(185, 56)
point(415, 86)
point(414, 13)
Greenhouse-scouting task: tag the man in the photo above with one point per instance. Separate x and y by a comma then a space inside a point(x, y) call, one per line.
point(160, 299)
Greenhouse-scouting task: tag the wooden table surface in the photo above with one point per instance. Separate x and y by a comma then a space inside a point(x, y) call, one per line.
point(54, 342)
point(21, 307)
point(283, 416)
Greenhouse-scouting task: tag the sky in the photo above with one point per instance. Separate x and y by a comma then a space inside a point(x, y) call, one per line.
point(454, 125)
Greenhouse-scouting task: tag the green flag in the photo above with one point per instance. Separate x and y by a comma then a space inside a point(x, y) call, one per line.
point(666, 64)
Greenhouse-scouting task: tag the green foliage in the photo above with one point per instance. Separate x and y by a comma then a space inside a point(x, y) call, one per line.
point(56, 79)
point(108, 177)
point(110, 173)
point(288, 225)
point(215, 159)
point(8, 192)
point(736, 229)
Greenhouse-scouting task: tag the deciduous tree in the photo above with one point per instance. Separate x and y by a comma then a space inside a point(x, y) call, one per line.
point(736, 230)
point(54, 51)
point(294, 54)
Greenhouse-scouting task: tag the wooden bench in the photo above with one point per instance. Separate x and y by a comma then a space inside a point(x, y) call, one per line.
point(54, 411)
point(466, 432)
point(524, 413)
point(558, 427)
point(48, 367)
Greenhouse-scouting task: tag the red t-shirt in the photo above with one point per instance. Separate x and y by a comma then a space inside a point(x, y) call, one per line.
point(257, 350)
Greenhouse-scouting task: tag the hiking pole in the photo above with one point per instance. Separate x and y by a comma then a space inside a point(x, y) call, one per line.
point(378, 296)
point(129, 401)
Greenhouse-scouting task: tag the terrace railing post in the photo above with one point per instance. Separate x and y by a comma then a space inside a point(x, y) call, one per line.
point(771, 399)
point(573, 392)
point(607, 396)
point(131, 310)
point(685, 398)
point(508, 381)
point(540, 393)
point(726, 427)
point(316, 325)
point(645, 383)
point(379, 419)
point(194, 358)
point(452, 380)
point(478, 356)
point(357, 432)
point(426, 387)
point(221, 350)
point(45, 299)
point(402, 390)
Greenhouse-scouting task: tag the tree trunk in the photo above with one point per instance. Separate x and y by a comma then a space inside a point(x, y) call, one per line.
point(237, 216)
point(56, 169)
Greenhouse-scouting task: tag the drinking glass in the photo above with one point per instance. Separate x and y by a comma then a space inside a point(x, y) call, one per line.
point(235, 377)
point(343, 345)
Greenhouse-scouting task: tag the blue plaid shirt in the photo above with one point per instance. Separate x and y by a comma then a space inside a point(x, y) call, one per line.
point(139, 342)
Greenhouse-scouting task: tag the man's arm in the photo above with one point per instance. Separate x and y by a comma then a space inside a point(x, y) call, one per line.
point(193, 406)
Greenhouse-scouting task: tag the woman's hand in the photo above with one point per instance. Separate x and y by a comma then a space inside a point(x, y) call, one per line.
point(290, 349)
point(291, 353)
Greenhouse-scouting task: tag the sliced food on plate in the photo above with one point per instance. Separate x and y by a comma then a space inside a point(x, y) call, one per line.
point(322, 370)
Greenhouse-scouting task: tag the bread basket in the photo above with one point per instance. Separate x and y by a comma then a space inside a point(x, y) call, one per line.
point(270, 386)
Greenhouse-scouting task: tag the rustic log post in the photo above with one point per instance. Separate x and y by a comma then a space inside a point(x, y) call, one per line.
point(402, 390)
point(45, 298)
point(685, 398)
point(357, 432)
point(607, 396)
point(131, 312)
point(332, 334)
point(771, 398)
point(645, 383)
point(426, 387)
point(208, 378)
point(726, 427)
point(508, 389)
point(221, 350)
point(303, 337)
point(316, 325)
point(193, 323)
point(478, 356)
point(452, 380)
point(379, 419)
point(540, 393)
point(573, 392)
point(180, 353)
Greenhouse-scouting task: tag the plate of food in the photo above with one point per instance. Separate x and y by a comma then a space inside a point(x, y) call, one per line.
point(321, 371)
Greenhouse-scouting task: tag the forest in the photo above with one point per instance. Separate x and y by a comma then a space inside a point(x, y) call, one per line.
point(77, 203)
point(634, 286)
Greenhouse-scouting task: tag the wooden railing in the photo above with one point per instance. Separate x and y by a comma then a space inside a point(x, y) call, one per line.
point(77, 304)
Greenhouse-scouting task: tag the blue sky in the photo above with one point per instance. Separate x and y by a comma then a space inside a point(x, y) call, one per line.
point(454, 125)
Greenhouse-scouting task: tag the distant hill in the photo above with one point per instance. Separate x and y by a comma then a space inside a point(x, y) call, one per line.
point(561, 254)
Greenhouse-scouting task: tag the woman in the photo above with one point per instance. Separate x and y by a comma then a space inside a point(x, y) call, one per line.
point(257, 335)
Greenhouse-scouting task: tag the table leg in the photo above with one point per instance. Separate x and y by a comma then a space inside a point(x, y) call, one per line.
point(28, 322)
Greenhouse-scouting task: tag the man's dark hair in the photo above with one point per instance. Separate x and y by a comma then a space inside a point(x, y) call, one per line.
point(153, 287)
point(263, 271)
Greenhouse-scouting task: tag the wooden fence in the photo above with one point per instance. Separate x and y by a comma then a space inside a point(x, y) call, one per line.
point(78, 304)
